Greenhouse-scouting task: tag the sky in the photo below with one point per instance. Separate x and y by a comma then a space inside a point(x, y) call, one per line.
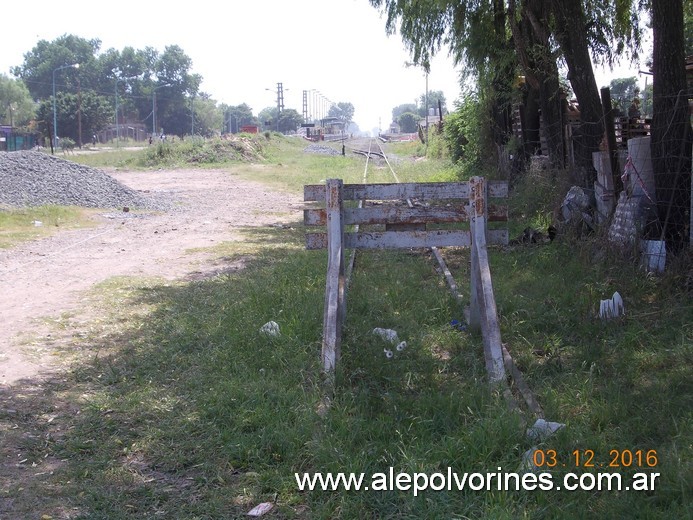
point(243, 48)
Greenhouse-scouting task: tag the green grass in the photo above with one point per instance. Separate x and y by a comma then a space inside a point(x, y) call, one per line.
point(188, 411)
point(20, 224)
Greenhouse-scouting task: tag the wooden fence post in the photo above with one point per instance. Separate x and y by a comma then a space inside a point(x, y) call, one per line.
point(476, 202)
point(482, 288)
point(335, 309)
point(611, 140)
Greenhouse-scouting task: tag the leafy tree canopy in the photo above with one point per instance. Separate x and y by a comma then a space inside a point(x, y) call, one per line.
point(342, 111)
point(408, 122)
point(129, 78)
point(238, 116)
point(16, 106)
point(433, 97)
point(623, 91)
point(401, 109)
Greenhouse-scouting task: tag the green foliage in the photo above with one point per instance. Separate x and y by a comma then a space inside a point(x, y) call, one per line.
point(401, 109)
point(208, 117)
point(97, 113)
point(623, 91)
point(16, 106)
point(200, 151)
point(238, 116)
point(18, 224)
point(186, 408)
point(343, 111)
point(466, 134)
point(67, 144)
point(437, 145)
point(132, 73)
point(688, 27)
point(433, 97)
point(646, 105)
point(290, 120)
point(408, 122)
point(41, 63)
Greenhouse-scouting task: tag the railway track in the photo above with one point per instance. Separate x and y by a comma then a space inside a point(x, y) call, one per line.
point(373, 149)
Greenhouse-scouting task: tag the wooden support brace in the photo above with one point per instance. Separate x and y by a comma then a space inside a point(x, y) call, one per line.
point(335, 309)
point(483, 303)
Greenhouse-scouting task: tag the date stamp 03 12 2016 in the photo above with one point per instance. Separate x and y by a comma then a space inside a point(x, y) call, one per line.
point(586, 458)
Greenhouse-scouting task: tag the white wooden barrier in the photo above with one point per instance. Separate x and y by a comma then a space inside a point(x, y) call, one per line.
point(407, 227)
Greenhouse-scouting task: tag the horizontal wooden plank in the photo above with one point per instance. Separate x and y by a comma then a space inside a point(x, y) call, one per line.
point(405, 239)
point(402, 215)
point(497, 189)
point(405, 190)
point(394, 191)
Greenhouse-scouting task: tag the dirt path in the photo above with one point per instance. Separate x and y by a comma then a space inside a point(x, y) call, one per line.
point(48, 277)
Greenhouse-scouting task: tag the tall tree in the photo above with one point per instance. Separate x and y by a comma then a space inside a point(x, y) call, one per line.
point(343, 111)
point(39, 68)
point(289, 120)
point(570, 22)
point(238, 116)
point(426, 102)
point(16, 106)
point(671, 128)
point(408, 122)
point(97, 114)
point(401, 109)
point(208, 116)
point(623, 91)
point(532, 39)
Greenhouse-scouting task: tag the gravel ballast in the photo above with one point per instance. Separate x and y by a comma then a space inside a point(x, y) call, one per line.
point(31, 178)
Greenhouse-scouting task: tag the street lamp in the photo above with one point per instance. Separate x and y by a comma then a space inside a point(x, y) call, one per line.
point(154, 107)
point(55, 117)
point(280, 100)
point(116, 107)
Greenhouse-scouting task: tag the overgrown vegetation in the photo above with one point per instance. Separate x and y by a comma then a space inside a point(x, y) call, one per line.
point(192, 151)
point(188, 411)
point(20, 224)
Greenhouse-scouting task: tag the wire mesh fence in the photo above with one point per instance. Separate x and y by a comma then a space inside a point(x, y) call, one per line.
point(630, 161)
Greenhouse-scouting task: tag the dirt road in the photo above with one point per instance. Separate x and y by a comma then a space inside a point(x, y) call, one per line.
point(48, 277)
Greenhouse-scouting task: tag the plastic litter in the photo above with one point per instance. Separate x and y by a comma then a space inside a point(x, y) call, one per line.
point(401, 346)
point(542, 430)
point(271, 328)
point(527, 463)
point(37, 223)
point(387, 334)
point(458, 325)
point(654, 255)
point(261, 509)
point(612, 308)
point(388, 353)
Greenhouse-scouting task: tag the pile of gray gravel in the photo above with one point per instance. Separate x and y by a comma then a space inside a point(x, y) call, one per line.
point(321, 149)
point(30, 178)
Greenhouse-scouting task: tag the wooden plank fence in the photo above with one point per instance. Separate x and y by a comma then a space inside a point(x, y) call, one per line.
point(409, 227)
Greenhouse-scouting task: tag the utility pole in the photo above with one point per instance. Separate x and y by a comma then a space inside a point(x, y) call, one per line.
point(79, 113)
point(280, 102)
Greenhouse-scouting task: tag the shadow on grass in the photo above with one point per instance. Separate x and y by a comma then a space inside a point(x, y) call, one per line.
point(187, 411)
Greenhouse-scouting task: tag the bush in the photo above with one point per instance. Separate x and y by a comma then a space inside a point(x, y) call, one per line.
point(466, 134)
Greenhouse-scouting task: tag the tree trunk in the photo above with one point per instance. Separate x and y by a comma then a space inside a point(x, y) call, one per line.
point(573, 40)
point(531, 38)
point(671, 129)
point(501, 78)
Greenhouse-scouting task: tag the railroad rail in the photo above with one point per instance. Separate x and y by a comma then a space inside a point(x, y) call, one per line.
point(406, 227)
point(411, 223)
